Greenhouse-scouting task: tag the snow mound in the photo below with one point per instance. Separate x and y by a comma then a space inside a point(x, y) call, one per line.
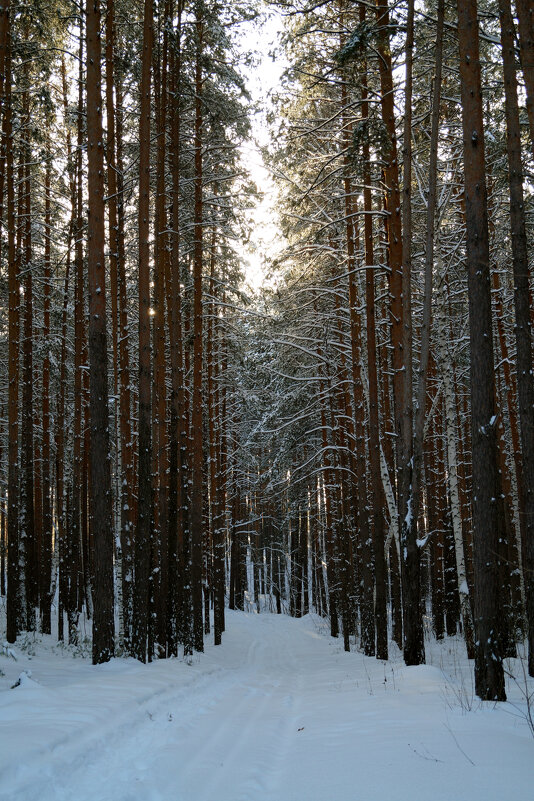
point(26, 682)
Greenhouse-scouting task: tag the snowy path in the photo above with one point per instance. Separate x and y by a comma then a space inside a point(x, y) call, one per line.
point(277, 713)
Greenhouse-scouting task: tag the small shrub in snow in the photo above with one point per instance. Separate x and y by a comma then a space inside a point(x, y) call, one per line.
point(8, 651)
point(27, 643)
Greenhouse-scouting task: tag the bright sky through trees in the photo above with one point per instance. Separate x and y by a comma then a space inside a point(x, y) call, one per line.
point(263, 79)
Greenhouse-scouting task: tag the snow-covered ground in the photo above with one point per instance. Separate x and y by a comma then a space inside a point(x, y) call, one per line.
point(277, 713)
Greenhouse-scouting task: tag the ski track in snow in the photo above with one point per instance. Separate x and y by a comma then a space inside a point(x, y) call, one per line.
point(277, 713)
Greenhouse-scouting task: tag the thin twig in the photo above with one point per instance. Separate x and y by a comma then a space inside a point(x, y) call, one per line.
point(458, 744)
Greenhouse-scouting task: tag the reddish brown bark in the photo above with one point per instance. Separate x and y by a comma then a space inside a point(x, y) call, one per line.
point(489, 677)
point(100, 485)
point(523, 335)
point(46, 544)
point(377, 502)
point(196, 406)
point(13, 577)
point(144, 514)
point(525, 16)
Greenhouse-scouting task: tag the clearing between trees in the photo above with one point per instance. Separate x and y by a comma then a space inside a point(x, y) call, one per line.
point(279, 712)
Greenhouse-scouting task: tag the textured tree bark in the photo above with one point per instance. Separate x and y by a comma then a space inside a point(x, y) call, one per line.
point(59, 438)
point(376, 492)
point(196, 409)
point(446, 361)
point(356, 430)
point(13, 609)
point(523, 334)
point(329, 524)
point(4, 21)
point(119, 310)
point(304, 554)
point(159, 404)
point(436, 536)
point(318, 561)
point(85, 592)
point(60, 557)
point(27, 531)
point(113, 228)
point(3, 529)
point(100, 483)
point(222, 461)
point(489, 676)
point(215, 424)
point(294, 584)
point(74, 534)
point(178, 611)
point(112, 199)
point(422, 373)
point(398, 278)
point(46, 542)
point(516, 495)
point(144, 513)
point(344, 441)
point(444, 522)
point(410, 466)
point(525, 16)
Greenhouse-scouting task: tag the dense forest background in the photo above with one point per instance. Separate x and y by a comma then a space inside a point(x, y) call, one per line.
point(356, 437)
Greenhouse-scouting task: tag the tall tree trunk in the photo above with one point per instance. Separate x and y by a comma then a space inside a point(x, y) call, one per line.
point(13, 569)
point(46, 549)
point(74, 536)
point(101, 499)
point(113, 227)
point(159, 411)
point(402, 410)
point(357, 431)
point(60, 449)
point(196, 409)
point(419, 422)
point(27, 531)
point(215, 434)
point(523, 334)
point(446, 360)
point(60, 555)
point(178, 610)
point(525, 16)
point(377, 496)
point(489, 675)
point(117, 264)
point(414, 647)
point(4, 24)
point(436, 536)
point(144, 514)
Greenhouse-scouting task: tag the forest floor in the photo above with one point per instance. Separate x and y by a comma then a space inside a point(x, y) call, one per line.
point(279, 712)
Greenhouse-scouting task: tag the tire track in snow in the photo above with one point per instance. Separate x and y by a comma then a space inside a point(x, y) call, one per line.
point(246, 737)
